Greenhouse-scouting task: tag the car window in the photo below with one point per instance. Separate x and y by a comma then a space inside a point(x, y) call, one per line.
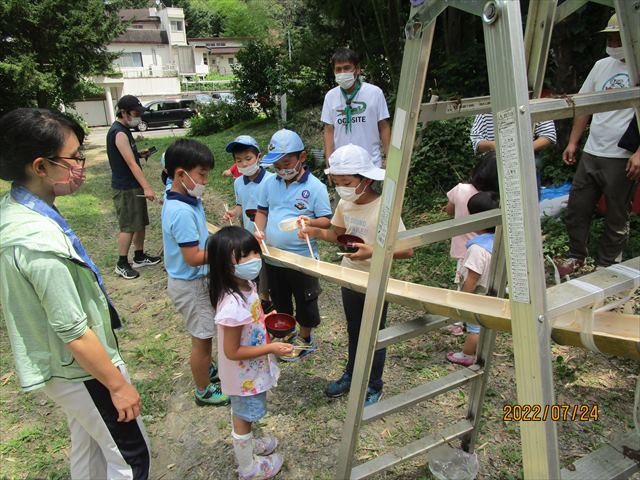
point(154, 107)
point(187, 103)
point(170, 105)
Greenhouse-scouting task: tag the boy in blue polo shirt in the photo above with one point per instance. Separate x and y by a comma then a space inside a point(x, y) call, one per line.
point(291, 193)
point(184, 235)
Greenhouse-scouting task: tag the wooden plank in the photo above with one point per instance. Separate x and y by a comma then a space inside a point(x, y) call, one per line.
point(614, 334)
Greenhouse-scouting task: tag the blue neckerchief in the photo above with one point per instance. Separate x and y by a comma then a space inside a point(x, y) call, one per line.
point(484, 241)
point(24, 197)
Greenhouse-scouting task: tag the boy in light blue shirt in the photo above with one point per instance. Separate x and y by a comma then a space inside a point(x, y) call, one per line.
point(291, 193)
point(184, 236)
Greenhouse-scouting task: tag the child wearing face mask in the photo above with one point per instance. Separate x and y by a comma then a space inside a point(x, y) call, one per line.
point(184, 236)
point(292, 192)
point(247, 366)
point(353, 173)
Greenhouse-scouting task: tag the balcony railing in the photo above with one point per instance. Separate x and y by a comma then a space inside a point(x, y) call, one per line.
point(148, 72)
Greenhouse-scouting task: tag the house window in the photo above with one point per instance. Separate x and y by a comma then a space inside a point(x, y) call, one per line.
point(205, 58)
point(232, 60)
point(177, 26)
point(129, 59)
point(137, 26)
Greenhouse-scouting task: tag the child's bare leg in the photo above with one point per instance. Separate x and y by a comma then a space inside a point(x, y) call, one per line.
point(470, 344)
point(200, 361)
point(305, 332)
point(240, 427)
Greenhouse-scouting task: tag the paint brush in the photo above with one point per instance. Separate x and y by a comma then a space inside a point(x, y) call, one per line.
point(264, 244)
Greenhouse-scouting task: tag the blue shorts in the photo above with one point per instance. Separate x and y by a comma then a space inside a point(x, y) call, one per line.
point(250, 408)
point(471, 328)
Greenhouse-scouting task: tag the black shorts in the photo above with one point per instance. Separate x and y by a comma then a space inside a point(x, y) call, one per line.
point(285, 283)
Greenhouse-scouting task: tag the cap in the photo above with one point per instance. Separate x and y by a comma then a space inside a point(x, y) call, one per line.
point(353, 160)
point(162, 160)
point(129, 102)
point(282, 142)
point(244, 140)
point(612, 26)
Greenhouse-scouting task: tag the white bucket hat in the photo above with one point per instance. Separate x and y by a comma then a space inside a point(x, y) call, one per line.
point(353, 160)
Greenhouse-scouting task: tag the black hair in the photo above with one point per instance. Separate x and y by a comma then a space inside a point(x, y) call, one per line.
point(29, 133)
point(485, 174)
point(187, 154)
point(483, 201)
point(238, 149)
point(345, 55)
point(228, 242)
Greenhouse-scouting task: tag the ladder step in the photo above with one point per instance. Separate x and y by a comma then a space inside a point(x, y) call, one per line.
point(413, 328)
point(609, 461)
point(421, 446)
point(420, 393)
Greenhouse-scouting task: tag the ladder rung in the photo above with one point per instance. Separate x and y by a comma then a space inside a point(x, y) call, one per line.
point(440, 231)
point(421, 446)
point(607, 462)
point(413, 328)
point(420, 393)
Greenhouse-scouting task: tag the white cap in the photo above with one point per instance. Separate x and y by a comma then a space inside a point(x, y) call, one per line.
point(353, 160)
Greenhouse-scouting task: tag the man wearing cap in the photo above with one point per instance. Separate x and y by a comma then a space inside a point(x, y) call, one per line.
point(131, 190)
point(355, 111)
point(290, 194)
point(603, 167)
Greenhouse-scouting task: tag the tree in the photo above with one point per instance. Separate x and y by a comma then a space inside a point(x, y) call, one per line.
point(49, 47)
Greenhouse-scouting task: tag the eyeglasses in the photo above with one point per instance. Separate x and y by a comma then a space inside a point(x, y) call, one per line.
point(80, 159)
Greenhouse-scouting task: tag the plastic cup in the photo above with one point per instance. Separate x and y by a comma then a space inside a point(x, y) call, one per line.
point(288, 224)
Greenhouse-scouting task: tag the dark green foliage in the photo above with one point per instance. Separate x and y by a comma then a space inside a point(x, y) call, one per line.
point(443, 159)
point(260, 73)
point(47, 47)
point(216, 117)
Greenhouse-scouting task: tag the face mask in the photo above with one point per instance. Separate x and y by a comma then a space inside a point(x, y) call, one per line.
point(288, 173)
point(249, 269)
point(345, 80)
point(72, 184)
point(198, 188)
point(134, 122)
point(250, 170)
point(349, 193)
point(616, 52)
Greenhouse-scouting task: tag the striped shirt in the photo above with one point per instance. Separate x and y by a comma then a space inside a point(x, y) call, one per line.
point(482, 129)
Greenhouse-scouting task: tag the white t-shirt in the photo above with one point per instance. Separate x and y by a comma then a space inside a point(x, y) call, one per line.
point(607, 128)
point(478, 260)
point(360, 220)
point(368, 108)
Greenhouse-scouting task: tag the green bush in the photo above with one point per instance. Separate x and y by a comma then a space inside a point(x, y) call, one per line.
point(216, 117)
point(443, 159)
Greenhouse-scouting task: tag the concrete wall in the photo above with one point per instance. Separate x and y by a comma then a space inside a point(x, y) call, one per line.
point(94, 112)
point(151, 86)
point(162, 53)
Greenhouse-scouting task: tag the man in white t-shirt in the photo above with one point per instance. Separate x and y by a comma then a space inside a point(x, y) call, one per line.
point(604, 167)
point(355, 111)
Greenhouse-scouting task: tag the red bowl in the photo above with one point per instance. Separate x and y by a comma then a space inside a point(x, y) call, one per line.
point(345, 242)
point(251, 213)
point(280, 324)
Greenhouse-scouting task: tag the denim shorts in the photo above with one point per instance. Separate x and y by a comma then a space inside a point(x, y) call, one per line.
point(472, 328)
point(250, 408)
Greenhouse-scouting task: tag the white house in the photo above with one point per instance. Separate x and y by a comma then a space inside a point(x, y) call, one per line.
point(216, 54)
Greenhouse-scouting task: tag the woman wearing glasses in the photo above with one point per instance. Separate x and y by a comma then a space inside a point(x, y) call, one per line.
point(59, 317)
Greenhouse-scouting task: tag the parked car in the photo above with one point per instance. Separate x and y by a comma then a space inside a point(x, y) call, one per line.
point(160, 113)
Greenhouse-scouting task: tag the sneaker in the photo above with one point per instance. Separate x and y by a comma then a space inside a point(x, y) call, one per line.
point(262, 468)
point(461, 358)
point(125, 271)
point(265, 446)
point(145, 261)
point(569, 266)
point(373, 396)
point(299, 353)
point(456, 329)
point(211, 396)
point(213, 373)
point(338, 387)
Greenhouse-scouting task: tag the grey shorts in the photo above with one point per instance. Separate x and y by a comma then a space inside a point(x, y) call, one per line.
point(191, 299)
point(250, 408)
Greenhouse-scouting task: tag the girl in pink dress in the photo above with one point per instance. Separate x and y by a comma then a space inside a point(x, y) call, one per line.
point(247, 367)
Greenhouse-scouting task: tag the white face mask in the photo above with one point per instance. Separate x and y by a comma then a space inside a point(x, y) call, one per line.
point(349, 193)
point(134, 122)
point(345, 80)
point(288, 173)
point(198, 188)
point(616, 52)
point(250, 170)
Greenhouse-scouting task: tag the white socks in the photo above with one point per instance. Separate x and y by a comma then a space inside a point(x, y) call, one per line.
point(243, 449)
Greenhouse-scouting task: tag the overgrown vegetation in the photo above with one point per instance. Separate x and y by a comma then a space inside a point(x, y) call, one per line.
point(217, 116)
